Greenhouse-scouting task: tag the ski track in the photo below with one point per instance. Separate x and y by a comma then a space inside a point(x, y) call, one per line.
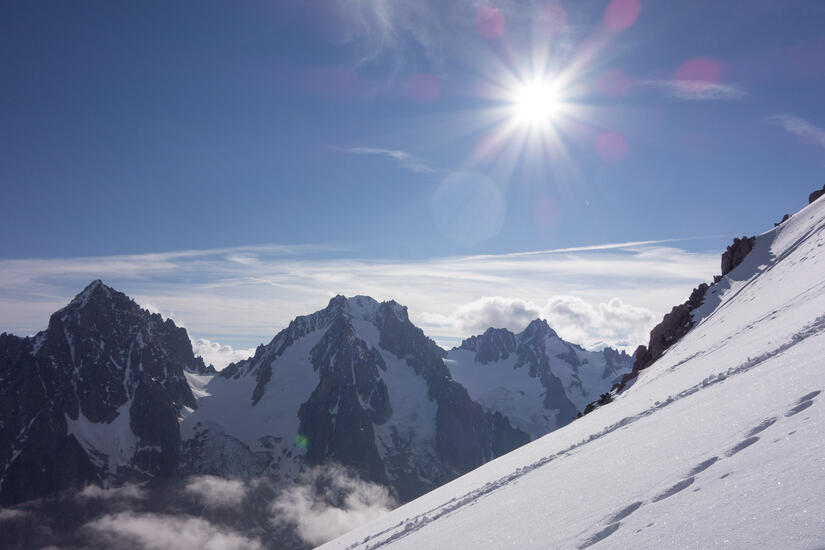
point(411, 525)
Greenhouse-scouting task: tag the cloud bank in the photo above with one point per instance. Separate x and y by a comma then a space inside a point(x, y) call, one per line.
point(230, 306)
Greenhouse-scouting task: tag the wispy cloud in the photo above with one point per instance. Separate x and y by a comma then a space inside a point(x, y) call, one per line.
point(216, 492)
point(223, 301)
point(800, 128)
point(403, 158)
point(697, 90)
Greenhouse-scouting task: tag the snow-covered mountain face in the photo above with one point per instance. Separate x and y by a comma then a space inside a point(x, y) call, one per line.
point(94, 398)
point(534, 378)
point(716, 443)
point(355, 383)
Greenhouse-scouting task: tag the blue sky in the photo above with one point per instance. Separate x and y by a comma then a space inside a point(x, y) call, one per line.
point(395, 132)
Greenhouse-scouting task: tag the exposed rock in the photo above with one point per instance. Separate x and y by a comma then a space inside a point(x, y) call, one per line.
point(673, 327)
point(494, 345)
point(735, 253)
point(96, 397)
point(816, 194)
point(785, 218)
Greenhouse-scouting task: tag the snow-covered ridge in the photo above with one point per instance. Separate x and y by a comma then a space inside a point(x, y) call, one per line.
point(718, 443)
point(534, 378)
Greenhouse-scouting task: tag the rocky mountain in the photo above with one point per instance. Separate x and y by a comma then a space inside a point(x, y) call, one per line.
point(94, 398)
point(534, 378)
point(355, 383)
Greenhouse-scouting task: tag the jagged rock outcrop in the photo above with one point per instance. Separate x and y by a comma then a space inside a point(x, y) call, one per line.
point(816, 194)
point(735, 253)
point(95, 398)
point(673, 327)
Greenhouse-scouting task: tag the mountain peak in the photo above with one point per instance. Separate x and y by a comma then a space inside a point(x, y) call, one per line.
point(364, 307)
point(538, 327)
point(93, 291)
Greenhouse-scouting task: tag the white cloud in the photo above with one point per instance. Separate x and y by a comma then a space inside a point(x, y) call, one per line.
point(242, 305)
point(156, 531)
point(498, 312)
point(219, 355)
point(612, 323)
point(403, 158)
point(216, 492)
point(800, 128)
point(326, 502)
point(697, 90)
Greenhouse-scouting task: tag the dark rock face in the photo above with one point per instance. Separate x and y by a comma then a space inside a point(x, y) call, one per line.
point(350, 398)
point(735, 253)
point(533, 354)
point(816, 194)
point(101, 357)
point(673, 327)
point(494, 345)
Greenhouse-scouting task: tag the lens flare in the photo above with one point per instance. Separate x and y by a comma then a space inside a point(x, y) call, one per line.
point(302, 441)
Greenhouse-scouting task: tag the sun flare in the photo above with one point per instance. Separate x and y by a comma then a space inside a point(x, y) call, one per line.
point(536, 103)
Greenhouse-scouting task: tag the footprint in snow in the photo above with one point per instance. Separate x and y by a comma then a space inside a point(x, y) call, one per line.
point(742, 445)
point(764, 425)
point(600, 536)
point(624, 512)
point(704, 465)
point(801, 406)
point(681, 486)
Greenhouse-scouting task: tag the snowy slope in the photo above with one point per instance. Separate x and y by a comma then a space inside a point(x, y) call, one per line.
point(720, 443)
point(534, 378)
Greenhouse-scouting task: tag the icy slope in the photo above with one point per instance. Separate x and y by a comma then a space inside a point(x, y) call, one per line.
point(720, 443)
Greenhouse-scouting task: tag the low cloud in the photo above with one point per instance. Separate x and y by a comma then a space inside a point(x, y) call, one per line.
point(160, 532)
point(11, 513)
point(592, 325)
point(326, 502)
point(801, 128)
point(497, 312)
point(697, 90)
point(219, 355)
point(403, 158)
point(126, 492)
point(216, 492)
point(613, 323)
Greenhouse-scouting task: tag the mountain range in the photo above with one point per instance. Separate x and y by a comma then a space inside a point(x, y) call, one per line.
point(117, 394)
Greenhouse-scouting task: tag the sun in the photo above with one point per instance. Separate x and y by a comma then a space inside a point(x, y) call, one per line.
point(535, 103)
